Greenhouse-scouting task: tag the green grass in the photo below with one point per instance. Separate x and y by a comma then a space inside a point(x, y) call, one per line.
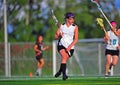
point(59, 81)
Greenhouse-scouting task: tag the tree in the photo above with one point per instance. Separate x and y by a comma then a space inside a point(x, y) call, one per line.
point(28, 19)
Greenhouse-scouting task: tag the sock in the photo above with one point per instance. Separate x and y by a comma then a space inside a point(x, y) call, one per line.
point(60, 70)
point(64, 69)
point(39, 71)
point(110, 66)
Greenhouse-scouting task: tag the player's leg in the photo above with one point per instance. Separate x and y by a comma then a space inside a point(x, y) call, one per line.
point(63, 62)
point(65, 57)
point(40, 64)
point(113, 63)
point(114, 60)
point(59, 48)
point(108, 62)
point(37, 71)
point(59, 72)
point(109, 71)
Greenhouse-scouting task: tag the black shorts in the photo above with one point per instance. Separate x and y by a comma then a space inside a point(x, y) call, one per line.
point(60, 47)
point(112, 52)
point(39, 57)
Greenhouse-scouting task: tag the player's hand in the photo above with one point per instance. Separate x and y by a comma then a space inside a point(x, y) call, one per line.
point(118, 47)
point(58, 34)
point(47, 47)
point(38, 53)
point(68, 49)
point(61, 34)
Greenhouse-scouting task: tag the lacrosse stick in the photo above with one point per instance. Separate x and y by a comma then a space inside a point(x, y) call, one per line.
point(58, 25)
point(55, 19)
point(100, 22)
point(99, 8)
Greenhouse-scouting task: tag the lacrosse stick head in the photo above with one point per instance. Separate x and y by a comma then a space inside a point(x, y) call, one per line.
point(96, 2)
point(54, 17)
point(100, 22)
point(52, 11)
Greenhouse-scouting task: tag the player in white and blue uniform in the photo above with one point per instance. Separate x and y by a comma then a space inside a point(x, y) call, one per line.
point(112, 49)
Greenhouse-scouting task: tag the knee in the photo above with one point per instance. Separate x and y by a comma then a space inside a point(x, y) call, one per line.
point(64, 60)
point(42, 62)
point(108, 63)
point(114, 64)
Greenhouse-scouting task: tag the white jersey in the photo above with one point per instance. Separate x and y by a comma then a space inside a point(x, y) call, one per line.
point(113, 43)
point(68, 35)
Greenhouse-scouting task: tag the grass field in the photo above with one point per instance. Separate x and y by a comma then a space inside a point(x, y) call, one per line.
point(59, 81)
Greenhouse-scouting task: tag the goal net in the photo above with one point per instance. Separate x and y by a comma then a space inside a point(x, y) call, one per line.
point(88, 58)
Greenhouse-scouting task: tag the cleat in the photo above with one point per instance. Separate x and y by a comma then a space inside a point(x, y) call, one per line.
point(57, 74)
point(65, 77)
point(109, 73)
point(37, 74)
point(106, 75)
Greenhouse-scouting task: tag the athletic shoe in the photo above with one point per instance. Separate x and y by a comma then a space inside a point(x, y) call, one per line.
point(109, 72)
point(57, 74)
point(37, 74)
point(106, 75)
point(65, 77)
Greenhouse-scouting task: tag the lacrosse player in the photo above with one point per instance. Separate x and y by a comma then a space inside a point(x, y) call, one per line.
point(67, 34)
point(39, 48)
point(112, 48)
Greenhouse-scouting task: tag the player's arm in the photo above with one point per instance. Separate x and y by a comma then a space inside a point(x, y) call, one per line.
point(75, 39)
point(36, 48)
point(45, 48)
point(58, 33)
point(106, 37)
point(118, 47)
point(117, 32)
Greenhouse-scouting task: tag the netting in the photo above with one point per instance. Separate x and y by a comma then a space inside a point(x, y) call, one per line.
point(88, 59)
point(23, 61)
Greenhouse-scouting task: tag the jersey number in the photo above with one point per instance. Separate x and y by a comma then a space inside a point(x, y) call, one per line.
point(113, 42)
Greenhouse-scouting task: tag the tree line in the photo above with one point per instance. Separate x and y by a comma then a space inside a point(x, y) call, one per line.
point(28, 18)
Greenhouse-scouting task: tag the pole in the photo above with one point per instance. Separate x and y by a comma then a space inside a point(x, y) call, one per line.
point(54, 58)
point(6, 41)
